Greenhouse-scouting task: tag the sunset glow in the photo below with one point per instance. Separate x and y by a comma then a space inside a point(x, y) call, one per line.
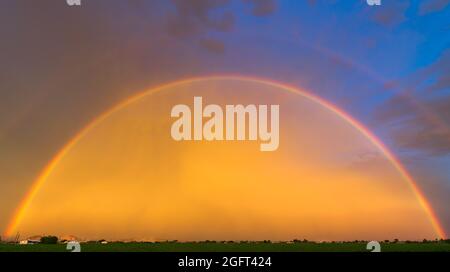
point(124, 177)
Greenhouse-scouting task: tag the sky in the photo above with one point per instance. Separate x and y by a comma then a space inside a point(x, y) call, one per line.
point(124, 178)
point(387, 66)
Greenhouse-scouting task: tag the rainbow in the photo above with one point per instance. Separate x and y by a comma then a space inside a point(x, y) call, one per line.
point(42, 177)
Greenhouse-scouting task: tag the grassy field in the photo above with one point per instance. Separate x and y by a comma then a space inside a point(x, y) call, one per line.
point(231, 247)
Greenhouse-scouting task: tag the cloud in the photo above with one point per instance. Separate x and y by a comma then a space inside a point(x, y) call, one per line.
point(390, 13)
point(440, 70)
point(263, 7)
point(195, 19)
point(420, 135)
point(422, 125)
point(213, 46)
point(432, 6)
point(192, 17)
point(415, 130)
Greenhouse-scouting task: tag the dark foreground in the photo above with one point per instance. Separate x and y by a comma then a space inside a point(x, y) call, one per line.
point(232, 247)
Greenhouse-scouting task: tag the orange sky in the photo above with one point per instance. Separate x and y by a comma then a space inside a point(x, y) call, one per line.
point(126, 178)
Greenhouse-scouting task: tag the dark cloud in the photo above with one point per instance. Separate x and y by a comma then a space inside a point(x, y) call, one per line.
point(432, 6)
point(425, 125)
point(419, 134)
point(193, 17)
point(418, 130)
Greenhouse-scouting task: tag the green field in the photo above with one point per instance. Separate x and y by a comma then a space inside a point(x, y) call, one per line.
point(232, 247)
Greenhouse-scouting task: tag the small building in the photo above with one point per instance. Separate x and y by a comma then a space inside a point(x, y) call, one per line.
point(29, 242)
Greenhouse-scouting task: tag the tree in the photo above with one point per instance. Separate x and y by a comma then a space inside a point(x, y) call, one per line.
point(49, 240)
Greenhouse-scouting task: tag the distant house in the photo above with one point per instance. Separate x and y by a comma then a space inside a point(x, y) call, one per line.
point(29, 242)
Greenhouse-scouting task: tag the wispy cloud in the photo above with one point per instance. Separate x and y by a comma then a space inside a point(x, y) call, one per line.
point(430, 6)
point(192, 17)
point(263, 7)
point(423, 126)
point(440, 71)
point(197, 19)
point(391, 13)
